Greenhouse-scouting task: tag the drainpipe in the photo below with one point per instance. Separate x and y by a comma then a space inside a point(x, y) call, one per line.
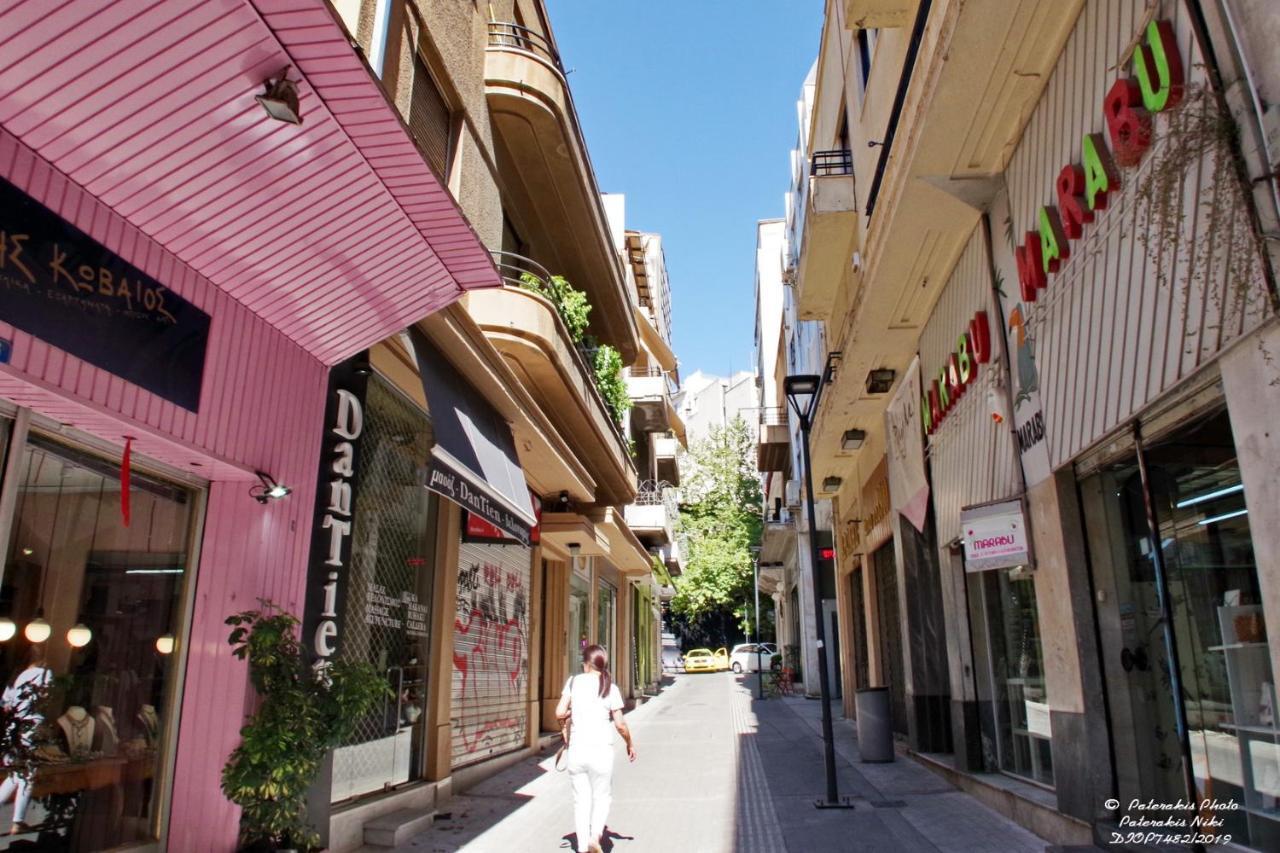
point(904, 82)
point(378, 45)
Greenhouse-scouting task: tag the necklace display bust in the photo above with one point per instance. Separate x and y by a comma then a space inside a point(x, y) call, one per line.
point(106, 739)
point(150, 723)
point(77, 727)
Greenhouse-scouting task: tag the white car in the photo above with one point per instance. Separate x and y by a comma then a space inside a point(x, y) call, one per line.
point(750, 657)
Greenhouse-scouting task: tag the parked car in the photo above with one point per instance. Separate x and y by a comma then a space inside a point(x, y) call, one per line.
point(750, 657)
point(705, 660)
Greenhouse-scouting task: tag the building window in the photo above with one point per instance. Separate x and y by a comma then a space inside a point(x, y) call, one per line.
point(430, 118)
point(98, 610)
point(866, 45)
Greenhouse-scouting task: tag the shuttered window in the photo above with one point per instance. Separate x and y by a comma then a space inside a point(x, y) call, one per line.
point(429, 117)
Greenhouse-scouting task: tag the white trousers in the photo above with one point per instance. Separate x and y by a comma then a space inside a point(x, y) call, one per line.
point(591, 772)
point(20, 789)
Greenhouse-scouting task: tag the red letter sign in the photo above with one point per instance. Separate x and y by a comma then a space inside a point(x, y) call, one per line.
point(1030, 270)
point(1128, 124)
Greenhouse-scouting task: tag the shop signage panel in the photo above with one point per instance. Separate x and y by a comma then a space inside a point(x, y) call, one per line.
point(476, 529)
point(908, 483)
point(336, 491)
point(995, 536)
point(62, 286)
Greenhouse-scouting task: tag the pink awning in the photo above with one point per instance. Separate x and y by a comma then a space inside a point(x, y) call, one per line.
point(335, 232)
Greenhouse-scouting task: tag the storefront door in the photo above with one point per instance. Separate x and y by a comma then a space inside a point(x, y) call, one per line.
point(579, 614)
point(606, 618)
point(892, 673)
point(1214, 645)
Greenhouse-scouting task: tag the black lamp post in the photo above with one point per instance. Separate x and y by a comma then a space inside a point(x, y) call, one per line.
point(804, 393)
point(755, 556)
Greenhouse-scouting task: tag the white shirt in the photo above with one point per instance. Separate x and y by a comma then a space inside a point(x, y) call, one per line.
point(592, 714)
point(21, 696)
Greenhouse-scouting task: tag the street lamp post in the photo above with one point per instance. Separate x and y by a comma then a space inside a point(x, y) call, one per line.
point(755, 555)
point(803, 393)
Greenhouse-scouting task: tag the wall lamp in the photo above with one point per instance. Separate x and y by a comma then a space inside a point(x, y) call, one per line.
point(831, 484)
point(268, 489)
point(281, 99)
point(574, 549)
point(880, 380)
point(853, 439)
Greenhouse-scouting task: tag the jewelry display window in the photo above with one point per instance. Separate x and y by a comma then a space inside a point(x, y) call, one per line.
point(91, 601)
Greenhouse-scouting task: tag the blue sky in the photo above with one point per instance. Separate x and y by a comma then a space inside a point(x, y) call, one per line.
point(688, 107)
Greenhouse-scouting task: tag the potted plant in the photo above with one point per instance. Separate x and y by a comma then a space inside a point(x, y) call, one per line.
point(302, 713)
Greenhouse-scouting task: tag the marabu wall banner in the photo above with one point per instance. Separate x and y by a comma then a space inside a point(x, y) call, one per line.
point(908, 484)
point(1028, 413)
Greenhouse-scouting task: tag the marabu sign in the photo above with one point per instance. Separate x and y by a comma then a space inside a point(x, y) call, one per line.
point(335, 509)
point(995, 536)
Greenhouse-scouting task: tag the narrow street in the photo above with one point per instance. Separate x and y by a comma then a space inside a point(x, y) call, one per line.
point(719, 771)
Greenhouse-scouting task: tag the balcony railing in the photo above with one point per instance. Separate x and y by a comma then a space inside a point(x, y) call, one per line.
point(503, 34)
point(838, 161)
point(654, 492)
point(653, 373)
point(513, 268)
point(773, 416)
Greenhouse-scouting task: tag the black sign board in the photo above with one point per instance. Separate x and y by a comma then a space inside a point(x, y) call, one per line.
point(336, 491)
point(61, 285)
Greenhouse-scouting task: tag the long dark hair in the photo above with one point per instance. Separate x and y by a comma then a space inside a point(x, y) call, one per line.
point(598, 659)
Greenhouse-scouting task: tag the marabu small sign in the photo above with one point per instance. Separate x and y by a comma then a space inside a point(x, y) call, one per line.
point(995, 536)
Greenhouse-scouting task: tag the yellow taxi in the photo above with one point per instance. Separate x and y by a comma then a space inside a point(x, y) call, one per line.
point(705, 660)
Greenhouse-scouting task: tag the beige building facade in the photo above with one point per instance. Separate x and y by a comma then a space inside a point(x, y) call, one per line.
point(1042, 265)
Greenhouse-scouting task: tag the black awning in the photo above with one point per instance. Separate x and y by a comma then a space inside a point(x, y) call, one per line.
point(473, 462)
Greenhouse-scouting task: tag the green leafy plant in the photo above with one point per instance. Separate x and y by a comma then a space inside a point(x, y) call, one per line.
point(570, 303)
point(607, 364)
point(302, 714)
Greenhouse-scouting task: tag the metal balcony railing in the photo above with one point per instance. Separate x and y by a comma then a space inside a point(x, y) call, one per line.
point(838, 161)
point(503, 34)
point(773, 416)
point(513, 268)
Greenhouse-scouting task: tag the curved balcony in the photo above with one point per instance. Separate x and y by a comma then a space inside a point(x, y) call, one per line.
point(548, 182)
point(525, 328)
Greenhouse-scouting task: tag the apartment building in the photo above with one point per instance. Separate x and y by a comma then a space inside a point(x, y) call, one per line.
point(302, 317)
point(1036, 236)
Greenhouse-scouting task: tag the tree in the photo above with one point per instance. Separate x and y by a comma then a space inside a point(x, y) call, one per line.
point(720, 517)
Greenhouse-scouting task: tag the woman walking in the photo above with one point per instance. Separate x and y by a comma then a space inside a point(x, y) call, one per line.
point(593, 705)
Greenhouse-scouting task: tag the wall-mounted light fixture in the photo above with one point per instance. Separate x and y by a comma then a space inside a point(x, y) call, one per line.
point(880, 380)
point(831, 484)
point(164, 644)
point(574, 549)
point(281, 99)
point(853, 439)
point(268, 489)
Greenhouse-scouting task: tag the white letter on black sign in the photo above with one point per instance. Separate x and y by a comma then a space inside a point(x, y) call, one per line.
point(340, 497)
point(350, 422)
point(337, 529)
point(345, 463)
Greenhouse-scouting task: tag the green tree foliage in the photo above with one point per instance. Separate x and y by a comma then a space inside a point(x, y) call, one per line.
point(301, 715)
point(570, 303)
point(721, 517)
point(607, 365)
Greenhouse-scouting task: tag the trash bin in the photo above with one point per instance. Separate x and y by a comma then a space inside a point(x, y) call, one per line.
point(875, 728)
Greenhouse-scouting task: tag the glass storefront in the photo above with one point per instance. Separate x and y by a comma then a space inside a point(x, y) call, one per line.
point(1013, 707)
point(1206, 669)
point(606, 618)
point(579, 629)
point(892, 672)
point(389, 598)
point(90, 609)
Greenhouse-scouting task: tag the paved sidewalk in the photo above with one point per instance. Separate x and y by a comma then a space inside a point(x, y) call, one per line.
point(721, 772)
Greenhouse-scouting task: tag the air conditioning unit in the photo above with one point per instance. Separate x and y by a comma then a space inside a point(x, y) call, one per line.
point(792, 493)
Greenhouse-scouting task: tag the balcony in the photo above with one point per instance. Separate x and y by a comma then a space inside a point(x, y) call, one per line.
point(666, 450)
point(879, 14)
point(650, 390)
point(778, 539)
point(773, 452)
point(652, 516)
point(525, 328)
point(830, 222)
point(548, 185)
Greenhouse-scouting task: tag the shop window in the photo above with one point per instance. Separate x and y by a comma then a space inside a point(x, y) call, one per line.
point(606, 618)
point(1009, 674)
point(1214, 646)
point(388, 603)
point(579, 614)
point(91, 612)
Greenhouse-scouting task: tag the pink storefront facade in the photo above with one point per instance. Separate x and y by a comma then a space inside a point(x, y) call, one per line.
point(300, 246)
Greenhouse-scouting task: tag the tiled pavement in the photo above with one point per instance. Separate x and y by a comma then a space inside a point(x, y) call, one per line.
point(719, 772)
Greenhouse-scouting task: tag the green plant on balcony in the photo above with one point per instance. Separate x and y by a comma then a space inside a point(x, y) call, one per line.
point(302, 714)
point(570, 303)
point(607, 364)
